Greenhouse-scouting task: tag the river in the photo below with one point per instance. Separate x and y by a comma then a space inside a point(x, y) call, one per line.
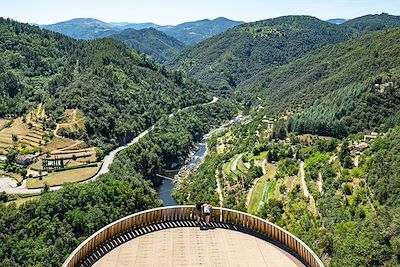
point(165, 189)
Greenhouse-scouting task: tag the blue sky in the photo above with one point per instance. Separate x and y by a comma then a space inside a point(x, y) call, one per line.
point(177, 11)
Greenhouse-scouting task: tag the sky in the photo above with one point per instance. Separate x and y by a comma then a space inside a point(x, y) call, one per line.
point(172, 12)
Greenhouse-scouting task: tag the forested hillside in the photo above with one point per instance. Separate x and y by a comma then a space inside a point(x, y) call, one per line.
point(301, 160)
point(342, 79)
point(346, 208)
point(151, 42)
point(226, 60)
point(83, 28)
point(312, 172)
point(373, 22)
point(120, 91)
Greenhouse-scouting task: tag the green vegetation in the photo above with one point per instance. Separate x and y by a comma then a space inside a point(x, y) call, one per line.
point(189, 33)
point(373, 22)
point(341, 74)
point(226, 60)
point(345, 204)
point(100, 78)
point(151, 42)
point(172, 139)
point(257, 194)
point(45, 231)
point(346, 208)
point(66, 175)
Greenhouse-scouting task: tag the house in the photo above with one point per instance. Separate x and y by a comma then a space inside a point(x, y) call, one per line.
point(270, 124)
point(26, 160)
point(370, 137)
point(3, 159)
point(384, 87)
point(360, 147)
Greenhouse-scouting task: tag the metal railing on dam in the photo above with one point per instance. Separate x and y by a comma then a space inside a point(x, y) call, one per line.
point(175, 214)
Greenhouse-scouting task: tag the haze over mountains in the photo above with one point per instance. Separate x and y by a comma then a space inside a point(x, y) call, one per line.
point(337, 21)
point(188, 33)
point(160, 44)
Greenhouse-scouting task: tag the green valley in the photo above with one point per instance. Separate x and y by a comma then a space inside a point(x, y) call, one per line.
point(297, 121)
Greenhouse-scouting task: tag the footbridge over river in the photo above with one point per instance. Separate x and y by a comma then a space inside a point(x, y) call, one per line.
point(169, 236)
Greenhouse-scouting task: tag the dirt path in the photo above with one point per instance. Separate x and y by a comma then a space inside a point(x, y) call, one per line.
point(303, 180)
point(320, 182)
point(74, 121)
point(235, 162)
point(219, 191)
point(357, 160)
point(263, 166)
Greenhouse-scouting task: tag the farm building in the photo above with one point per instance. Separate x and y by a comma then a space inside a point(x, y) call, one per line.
point(25, 160)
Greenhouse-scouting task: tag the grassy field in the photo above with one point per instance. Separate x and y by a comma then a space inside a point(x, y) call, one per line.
point(62, 177)
point(57, 143)
point(262, 156)
point(27, 137)
point(3, 122)
point(258, 190)
point(241, 166)
point(310, 137)
point(80, 155)
point(75, 120)
point(226, 168)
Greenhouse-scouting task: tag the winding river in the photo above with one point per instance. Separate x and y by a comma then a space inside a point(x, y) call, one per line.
point(165, 189)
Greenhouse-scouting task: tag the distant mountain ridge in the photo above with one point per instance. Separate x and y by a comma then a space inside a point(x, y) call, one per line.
point(151, 42)
point(188, 33)
point(191, 33)
point(82, 28)
point(103, 78)
point(375, 22)
point(159, 42)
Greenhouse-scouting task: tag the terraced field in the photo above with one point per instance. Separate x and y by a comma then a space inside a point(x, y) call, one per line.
point(62, 177)
point(262, 189)
point(5, 142)
point(86, 155)
point(3, 123)
point(58, 143)
point(28, 133)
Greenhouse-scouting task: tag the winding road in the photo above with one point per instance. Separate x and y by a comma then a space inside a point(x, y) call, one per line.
point(8, 185)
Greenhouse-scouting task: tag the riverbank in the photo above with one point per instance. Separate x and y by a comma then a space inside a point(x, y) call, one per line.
point(195, 159)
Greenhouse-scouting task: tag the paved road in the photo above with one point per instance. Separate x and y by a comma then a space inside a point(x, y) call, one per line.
point(8, 185)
